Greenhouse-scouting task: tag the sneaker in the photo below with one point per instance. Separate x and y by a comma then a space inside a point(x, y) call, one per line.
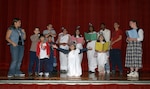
point(10, 76)
point(20, 75)
point(41, 73)
point(46, 74)
point(130, 74)
point(36, 74)
point(136, 74)
point(30, 74)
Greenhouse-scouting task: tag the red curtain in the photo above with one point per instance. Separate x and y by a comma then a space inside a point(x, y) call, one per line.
point(70, 13)
point(59, 86)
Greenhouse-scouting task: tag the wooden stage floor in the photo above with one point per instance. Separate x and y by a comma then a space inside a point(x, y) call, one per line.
point(86, 78)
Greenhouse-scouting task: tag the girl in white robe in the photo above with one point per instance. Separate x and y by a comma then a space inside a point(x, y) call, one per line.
point(63, 40)
point(74, 64)
point(79, 45)
point(102, 56)
point(92, 63)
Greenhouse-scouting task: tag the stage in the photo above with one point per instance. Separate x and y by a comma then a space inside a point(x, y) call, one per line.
point(87, 80)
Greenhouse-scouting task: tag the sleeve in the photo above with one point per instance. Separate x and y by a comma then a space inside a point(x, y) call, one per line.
point(45, 32)
point(63, 50)
point(48, 48)
point(83, 50)
point(34, 38)
point(141, 35)
point(55, 52)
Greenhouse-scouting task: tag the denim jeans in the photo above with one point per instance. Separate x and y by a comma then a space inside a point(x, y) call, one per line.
point(50, 63)
point(115, 57)
point(107, 65)
point(33, 60)
point(17, 56)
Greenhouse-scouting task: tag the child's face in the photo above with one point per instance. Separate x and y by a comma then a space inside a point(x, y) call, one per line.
point(42, 39)
point(50, 39)
point(36, 31)
point(49, 26)
point(101, 38)
point(65, 31)
point(72, 47)
point(77, 32)
point(90, 29)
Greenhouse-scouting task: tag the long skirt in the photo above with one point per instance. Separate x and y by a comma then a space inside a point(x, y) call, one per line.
point(134, 55)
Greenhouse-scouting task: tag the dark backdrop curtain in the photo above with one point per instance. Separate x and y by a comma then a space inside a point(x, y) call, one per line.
point(70, 13)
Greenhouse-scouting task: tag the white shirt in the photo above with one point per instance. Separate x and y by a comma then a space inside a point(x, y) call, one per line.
point(141, 35)
point(43, 52)
point(106, 33)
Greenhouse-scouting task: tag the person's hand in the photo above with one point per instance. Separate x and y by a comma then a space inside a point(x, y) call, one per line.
point(14, 44)
point(23, 31)
point(55, 46)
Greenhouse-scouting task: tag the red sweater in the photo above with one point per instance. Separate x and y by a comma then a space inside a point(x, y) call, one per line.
point(38, 49)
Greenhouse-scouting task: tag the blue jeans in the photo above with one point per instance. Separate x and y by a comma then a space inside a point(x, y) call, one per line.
point(107, 66)
point(50, 63)
point(33, 59)
point(17, 56)
point(115, 57)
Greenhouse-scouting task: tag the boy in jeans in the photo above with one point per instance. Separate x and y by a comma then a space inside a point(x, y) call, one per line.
point(43, 53)
point(33, 58)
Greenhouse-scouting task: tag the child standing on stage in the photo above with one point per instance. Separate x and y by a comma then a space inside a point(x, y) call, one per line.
point(33, 58)
point(74, 63)
point(52, 54)
point(134, 51)
point(79, 45)
point(43, 53)
point(92, 64)
point(101, 55)
point(63, 40)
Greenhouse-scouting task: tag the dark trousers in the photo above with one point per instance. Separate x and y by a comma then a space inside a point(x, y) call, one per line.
point(44, 65)
point(33, 61)
point(50, 63)
point(115, 57)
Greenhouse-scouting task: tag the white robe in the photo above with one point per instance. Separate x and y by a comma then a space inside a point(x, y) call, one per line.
point(74, 64)
point(80, 46)
point(92, 64)
point(102, 59)
point(63, 57)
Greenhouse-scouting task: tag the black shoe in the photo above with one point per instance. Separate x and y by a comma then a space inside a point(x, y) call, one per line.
point(91, 72)
point(63, 71)
point(55, 70)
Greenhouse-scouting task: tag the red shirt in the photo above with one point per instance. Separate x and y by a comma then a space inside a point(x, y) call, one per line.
point(115, 36)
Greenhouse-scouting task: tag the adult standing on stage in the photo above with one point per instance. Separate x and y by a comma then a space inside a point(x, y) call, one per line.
point(63, 41)
point(15, 36)
point(115, 52)
point(134, 50)
point(106, 33)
